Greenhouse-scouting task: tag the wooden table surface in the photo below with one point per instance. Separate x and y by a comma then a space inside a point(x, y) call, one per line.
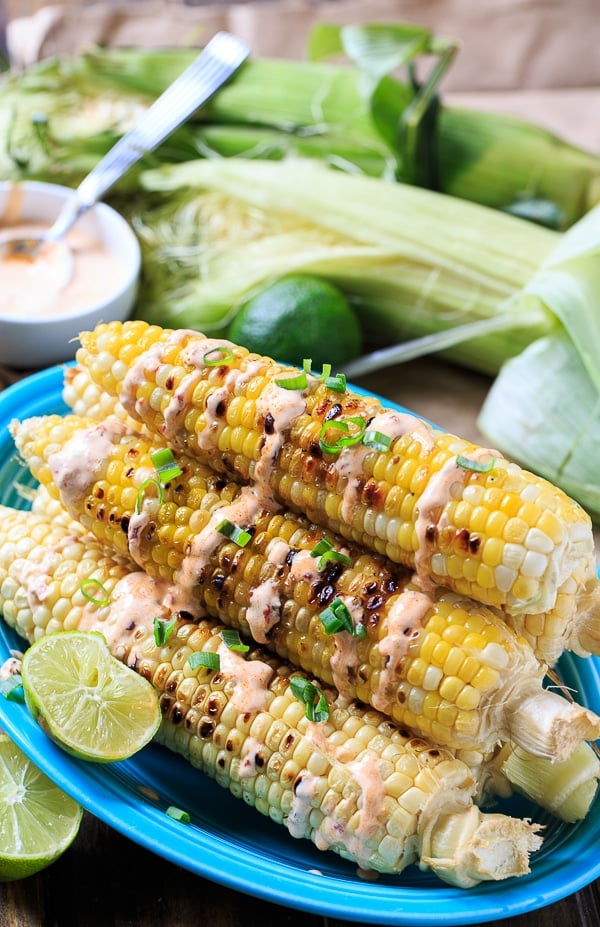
point(105, 880)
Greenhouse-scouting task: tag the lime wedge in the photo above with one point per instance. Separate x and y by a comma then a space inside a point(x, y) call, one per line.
point(38, 821)
point(92, 705)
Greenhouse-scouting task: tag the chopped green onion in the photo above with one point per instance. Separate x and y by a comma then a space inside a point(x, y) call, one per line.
point(299, 381)
point(467, 464)
point(324, 551)
point(206, 658)
point(142, 491)
point(348, 439)
point(308, 693)
point(166, 465)
point(90, 582)
point(12, 688)
point(377, 440)
point(232, 640)
point(336, 383)
point(178, 815)
point(336, 617)
point(218, 357)
point(233, 532)
point(325, 372)
point(163, 630)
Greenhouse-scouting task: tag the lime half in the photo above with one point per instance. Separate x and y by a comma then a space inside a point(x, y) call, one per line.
point(85, 699)
point(38, 821)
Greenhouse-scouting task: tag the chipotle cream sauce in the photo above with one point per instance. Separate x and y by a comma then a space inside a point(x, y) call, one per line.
point(62, 279)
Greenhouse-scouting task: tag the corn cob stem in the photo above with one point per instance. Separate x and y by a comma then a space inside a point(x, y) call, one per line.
point(461, 516)
point(444, 666)
point(39, 569)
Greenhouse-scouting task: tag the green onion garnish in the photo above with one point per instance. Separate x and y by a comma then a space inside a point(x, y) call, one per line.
point(467, 464)
point(12, 688)
point(218, 357)
point(232, 640)
point(142, 492)
point(163, 630)
point(336, 617)
point(325, 372)
point(233, 532)
point(377, 440)
point(166, 465)
point(317, 708)
point(178, 815)
point(206, 658)
point(324, 551)
point(336, 383)
point(91, 583)
point(299, 381)
point(347, 439)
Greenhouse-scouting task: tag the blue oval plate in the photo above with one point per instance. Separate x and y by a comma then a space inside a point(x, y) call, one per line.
point(233, 845)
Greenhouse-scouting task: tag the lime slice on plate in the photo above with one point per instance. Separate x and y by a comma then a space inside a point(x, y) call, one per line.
point(85, 699)
point(38, 821)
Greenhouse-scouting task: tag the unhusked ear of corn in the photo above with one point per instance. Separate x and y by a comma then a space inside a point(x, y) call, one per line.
point(37, 554)
point(445, 666)
point(460, 515)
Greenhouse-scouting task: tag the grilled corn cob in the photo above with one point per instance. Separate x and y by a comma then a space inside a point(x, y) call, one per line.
point(37, 554)
point(384, 800)
point(463, 517)
point(571, 624)
point(446, 667)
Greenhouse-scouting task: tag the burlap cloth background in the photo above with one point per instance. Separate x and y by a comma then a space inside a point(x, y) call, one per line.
point(535, 58)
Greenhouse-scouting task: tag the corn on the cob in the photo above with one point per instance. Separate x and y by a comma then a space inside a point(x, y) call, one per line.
point(382, 799)
point(444, 666)
point(36, 554)
point(572, 623)
point(461, 516)
point(45, 569)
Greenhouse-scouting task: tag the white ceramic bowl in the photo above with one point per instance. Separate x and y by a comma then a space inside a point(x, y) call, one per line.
point(29, 340)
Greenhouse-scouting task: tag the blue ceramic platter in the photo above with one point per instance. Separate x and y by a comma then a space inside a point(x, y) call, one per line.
point(232, 844)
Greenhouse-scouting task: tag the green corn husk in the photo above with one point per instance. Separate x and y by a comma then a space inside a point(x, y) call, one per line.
point(59, 116)
point(544, 407)
point(413, 261)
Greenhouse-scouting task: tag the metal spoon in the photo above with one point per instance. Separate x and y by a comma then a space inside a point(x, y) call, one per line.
point(219, 59)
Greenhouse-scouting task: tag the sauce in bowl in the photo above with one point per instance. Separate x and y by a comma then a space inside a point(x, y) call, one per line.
point(62, 279)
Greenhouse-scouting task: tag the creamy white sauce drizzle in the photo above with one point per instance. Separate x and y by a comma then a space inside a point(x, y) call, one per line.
point(248, 766)
point(447, 484)
point(405, 615)
point(135, 601)
point(345, 656)
point(263, 611)
point(365, 772)
point(251, 677)
point(82, 461)
point(303, 567)
point(148, 362)
point(284, 407)
point(10, 667)
point(241, 512)
point(350, 461)
point(298, 819)
point(148, 510)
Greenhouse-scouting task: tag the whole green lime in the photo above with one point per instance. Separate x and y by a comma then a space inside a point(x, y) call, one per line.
point(296, 317)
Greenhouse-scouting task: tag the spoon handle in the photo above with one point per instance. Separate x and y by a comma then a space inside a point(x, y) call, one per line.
point(214, 65)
